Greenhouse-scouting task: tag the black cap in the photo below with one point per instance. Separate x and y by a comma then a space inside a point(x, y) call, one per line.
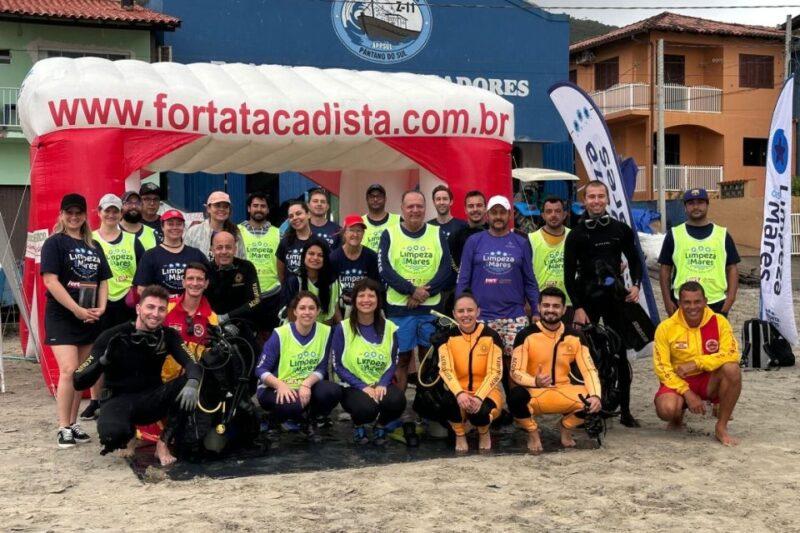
point(73, 200)
point(128, 194)
point(149, 188)
point(376, 187)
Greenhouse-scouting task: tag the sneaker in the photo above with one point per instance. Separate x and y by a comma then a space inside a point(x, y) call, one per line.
point(79, 434)
point(360, 435)
point(91, 411)
point(65, 438)
point(310, 431)
point(410, 434)
point(379, 436)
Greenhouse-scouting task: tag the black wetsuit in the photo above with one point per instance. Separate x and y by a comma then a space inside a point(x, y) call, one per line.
point(133, 393)
point(587, 253)
point(233, 290)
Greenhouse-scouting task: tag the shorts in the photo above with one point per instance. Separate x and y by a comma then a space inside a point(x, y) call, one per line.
point(413, 331)
point(698, 384)
point(62, 328)
point(508, 328)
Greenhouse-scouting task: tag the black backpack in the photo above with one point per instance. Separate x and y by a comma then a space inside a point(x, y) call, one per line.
point(764, 347)
point(603, 344)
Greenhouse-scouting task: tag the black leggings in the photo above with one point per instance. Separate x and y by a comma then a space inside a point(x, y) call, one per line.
point(121, 412)
point(364, 410)
point(324, 397)
point(612, 318)
point(452, 411)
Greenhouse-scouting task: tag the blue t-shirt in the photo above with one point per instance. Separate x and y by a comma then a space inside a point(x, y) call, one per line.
point(349, 272)
point(455, 224)
point(329, 232)
point(159, 266)
point(76, 265)
point(290, 254)
point(156, 226)
point(499, 272)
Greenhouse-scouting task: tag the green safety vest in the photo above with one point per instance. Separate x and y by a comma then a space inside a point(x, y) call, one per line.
point(701, 260)
point(548, 261)
point(416, 260)
point(372, 234)
point(261, 251)
point(121, 259)
point(335, 292)
point(298, 361)
point(147, 237)
point(365, 360)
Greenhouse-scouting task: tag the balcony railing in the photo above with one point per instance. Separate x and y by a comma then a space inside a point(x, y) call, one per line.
point(676, 98)
point(795, 233)
point(9, 118)
point(641, 180)
point(684, 177)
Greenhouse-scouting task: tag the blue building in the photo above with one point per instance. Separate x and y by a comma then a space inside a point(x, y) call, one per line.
point(507, 46)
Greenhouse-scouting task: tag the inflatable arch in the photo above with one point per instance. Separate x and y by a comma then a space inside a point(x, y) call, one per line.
point(97, 126)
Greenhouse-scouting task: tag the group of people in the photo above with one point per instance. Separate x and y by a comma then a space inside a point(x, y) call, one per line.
point(130, 307)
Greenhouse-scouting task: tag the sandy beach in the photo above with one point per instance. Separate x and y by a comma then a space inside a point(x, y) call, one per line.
point(644, 479)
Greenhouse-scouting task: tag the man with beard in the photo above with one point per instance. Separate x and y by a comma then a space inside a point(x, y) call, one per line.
point(150, 193)
point(321, 225)
point(475, 207)
point(132, 221)
point(547, 244)
point(593, 276)
point(377, 219)
point(541, 365)
point(443, 201)
point(701, 251)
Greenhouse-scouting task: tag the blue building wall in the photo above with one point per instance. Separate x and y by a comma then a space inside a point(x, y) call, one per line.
point(507, 46)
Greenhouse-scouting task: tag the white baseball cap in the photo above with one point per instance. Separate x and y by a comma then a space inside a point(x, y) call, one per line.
point(110, 200)
point(498, 200)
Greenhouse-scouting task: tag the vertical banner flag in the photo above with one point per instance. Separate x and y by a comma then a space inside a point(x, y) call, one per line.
point(589, 132)
point(776, 238)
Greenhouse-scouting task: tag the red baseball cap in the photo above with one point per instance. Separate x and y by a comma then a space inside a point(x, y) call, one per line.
point(353, 220)
point(172, 213)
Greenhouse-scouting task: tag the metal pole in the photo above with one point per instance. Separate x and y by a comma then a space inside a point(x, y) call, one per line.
point(787, 47)
point(660, 157)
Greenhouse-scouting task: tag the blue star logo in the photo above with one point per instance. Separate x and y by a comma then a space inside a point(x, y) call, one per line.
point(780, 151)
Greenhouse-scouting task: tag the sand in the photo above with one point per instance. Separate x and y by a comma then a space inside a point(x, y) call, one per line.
point(642, 479)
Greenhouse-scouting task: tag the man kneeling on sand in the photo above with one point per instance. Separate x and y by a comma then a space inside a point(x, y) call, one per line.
point(696, 359)
point(543, 356)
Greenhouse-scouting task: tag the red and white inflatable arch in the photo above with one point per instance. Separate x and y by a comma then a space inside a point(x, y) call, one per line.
point(97, 126)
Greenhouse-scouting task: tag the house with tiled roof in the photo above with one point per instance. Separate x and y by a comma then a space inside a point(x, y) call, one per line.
point(721, 84)
point(32, 30)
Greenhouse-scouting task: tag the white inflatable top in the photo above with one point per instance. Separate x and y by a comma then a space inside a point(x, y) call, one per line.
point(260, 117)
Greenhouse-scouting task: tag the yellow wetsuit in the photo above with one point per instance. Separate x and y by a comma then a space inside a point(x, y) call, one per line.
point(538, 350)
point(473, 363)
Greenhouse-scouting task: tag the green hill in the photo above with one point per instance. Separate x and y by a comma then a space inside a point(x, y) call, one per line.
point(580, 29)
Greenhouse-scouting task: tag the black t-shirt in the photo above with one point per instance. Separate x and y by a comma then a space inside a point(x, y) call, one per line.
point(290, 254)
point(159, 266)
point(329, 232)
point(156, 225)
point(349, 272)
point(77, 266)
point(699, 232)
point(455, 225)
point(456, 242)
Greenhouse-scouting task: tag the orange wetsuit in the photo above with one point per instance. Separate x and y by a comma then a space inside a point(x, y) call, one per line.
point(538, 350)
point(472, 364)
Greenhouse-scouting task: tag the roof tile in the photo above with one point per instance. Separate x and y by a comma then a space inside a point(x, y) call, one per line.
point(108, 11)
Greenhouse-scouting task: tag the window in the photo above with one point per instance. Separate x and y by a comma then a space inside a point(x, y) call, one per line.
point(113, 56)
point(754, 152)
point(573, 76)
point(674, 69)
point(672, 148)
point(606, 74)
point(756, 72)
point(5, 57)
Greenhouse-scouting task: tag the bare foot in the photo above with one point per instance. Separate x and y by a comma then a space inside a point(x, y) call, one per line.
point(484, 441)
point(675, 425)
point(721, 432)
point(566, 437)
point(461, 443)
point(163, 453)
point(128, 451)
point(535, 442)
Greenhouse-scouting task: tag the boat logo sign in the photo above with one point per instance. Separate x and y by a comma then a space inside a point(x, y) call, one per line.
point(382, 31)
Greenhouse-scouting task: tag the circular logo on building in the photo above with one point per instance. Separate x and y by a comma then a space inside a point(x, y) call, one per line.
point(381, 31)
point(780, 151)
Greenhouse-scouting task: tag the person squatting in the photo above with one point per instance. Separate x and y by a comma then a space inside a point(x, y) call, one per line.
point(286, 327)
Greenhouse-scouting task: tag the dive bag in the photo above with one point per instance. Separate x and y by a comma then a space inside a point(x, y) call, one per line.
point(764, 346)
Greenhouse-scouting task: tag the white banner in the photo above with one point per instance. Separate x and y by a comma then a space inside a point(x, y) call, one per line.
point(776, 238)
point(589, 133)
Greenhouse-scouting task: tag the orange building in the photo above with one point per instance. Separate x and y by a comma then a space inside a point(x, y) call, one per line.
point(721, 84)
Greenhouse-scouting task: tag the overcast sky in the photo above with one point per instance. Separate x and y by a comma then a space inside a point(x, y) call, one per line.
point(763, 16)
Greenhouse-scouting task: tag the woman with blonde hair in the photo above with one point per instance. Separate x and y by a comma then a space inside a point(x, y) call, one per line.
point(75, 273)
